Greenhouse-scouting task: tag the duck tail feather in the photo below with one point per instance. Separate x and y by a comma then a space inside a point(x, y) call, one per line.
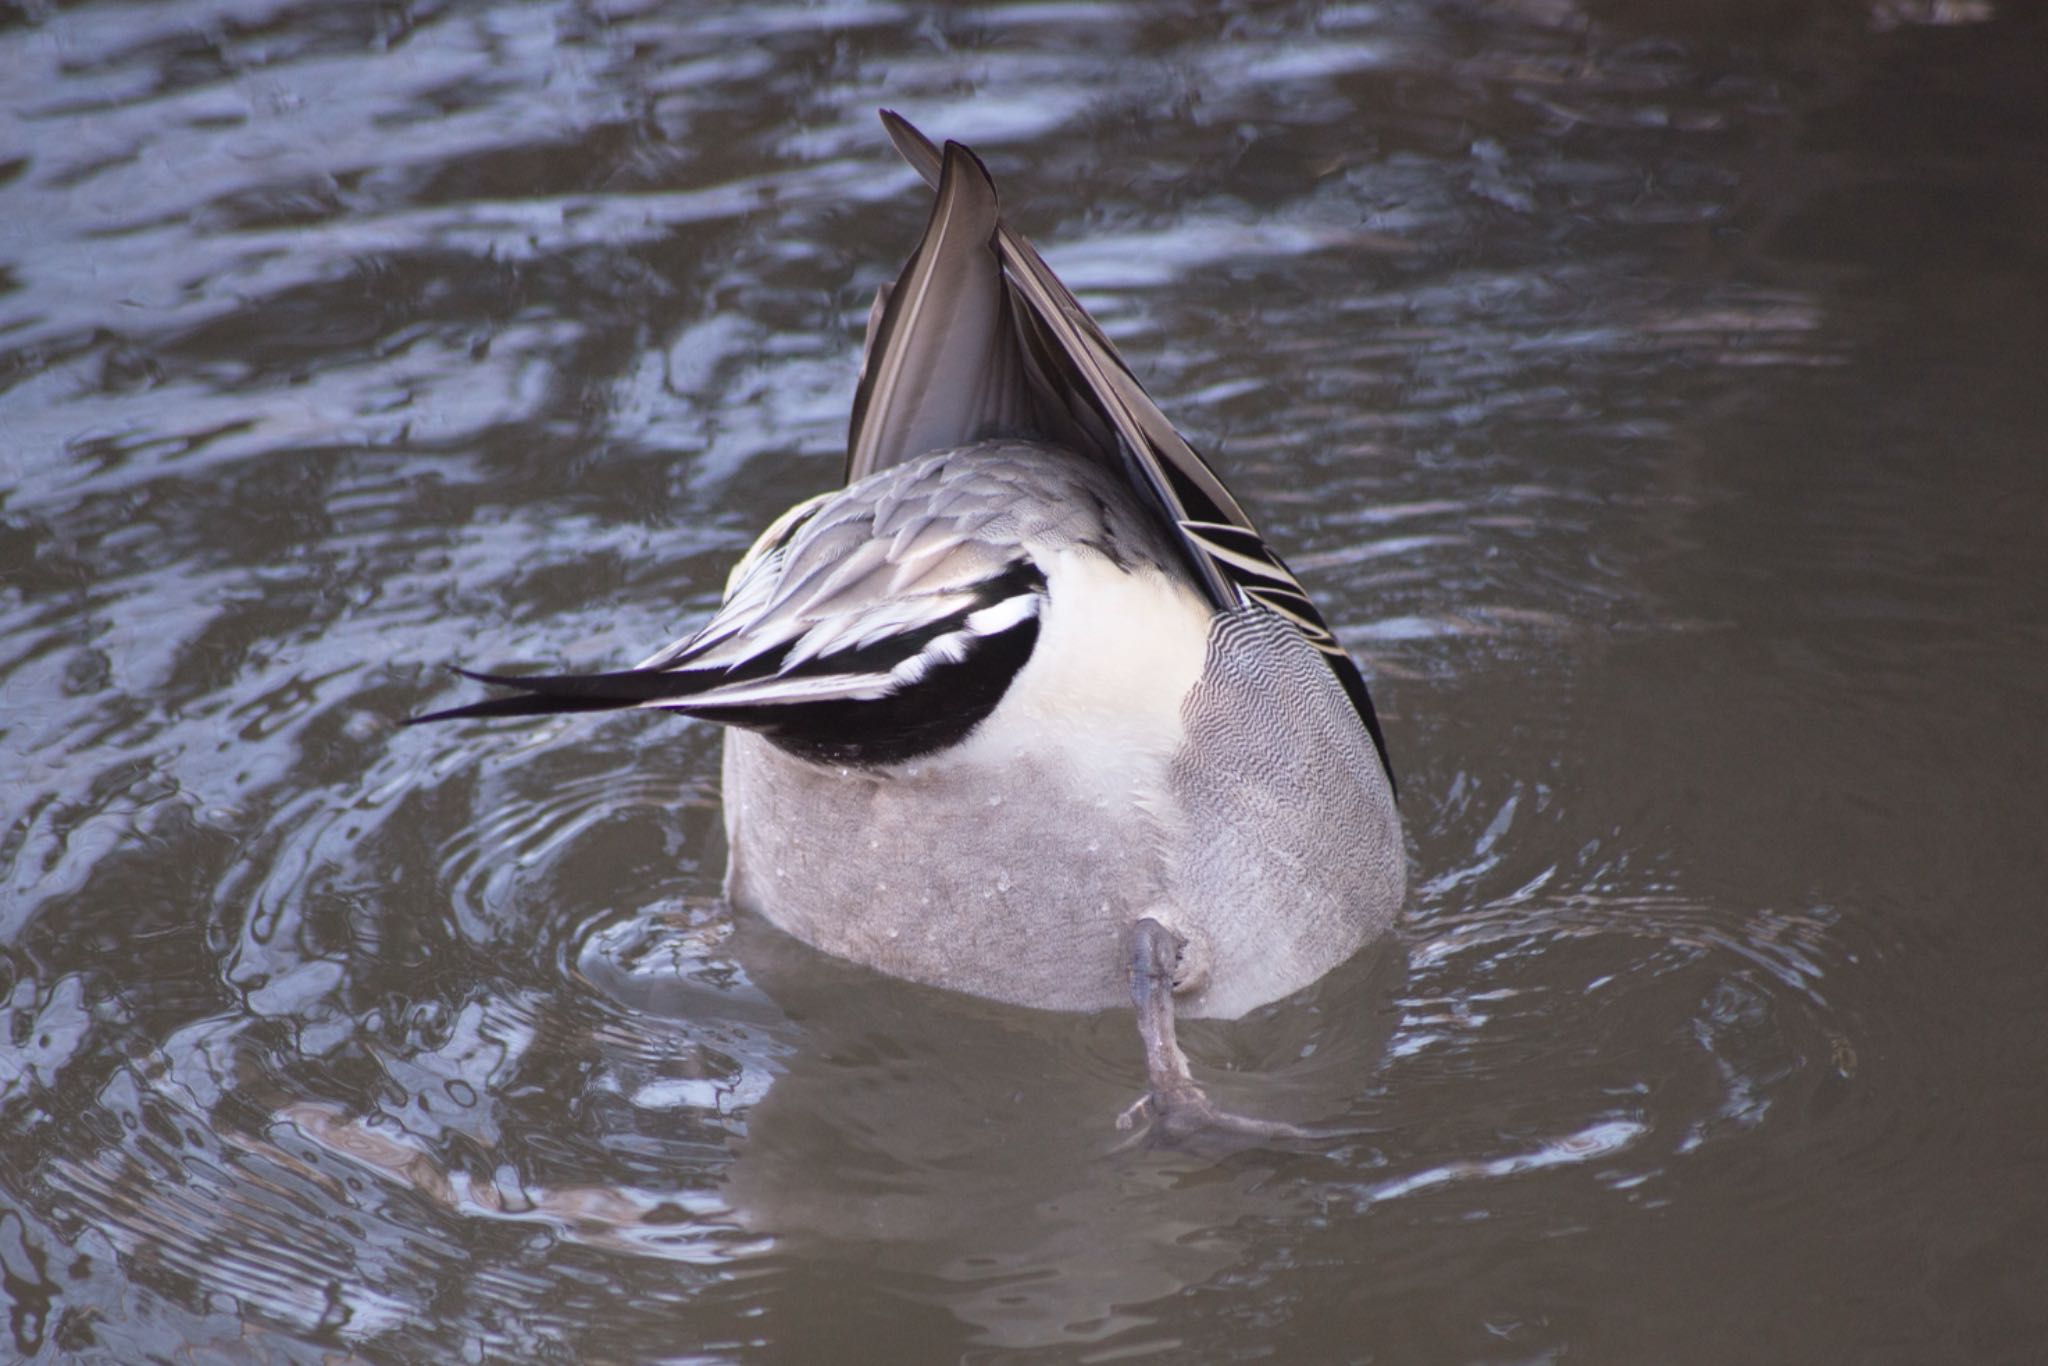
point(941, 367)
point(552, 694)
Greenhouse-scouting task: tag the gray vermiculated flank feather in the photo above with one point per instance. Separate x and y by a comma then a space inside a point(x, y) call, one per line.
point(1284, 807)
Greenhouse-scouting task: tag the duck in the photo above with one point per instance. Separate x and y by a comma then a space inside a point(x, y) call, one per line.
point(1028, 708)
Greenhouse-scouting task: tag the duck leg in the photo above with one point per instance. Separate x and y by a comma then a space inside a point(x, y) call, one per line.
point(1176, 1104)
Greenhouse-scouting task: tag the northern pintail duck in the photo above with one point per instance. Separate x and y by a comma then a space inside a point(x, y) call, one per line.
point(1029, 708)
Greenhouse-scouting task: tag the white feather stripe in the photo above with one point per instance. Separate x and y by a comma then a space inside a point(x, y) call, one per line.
point(739, 635)
point(950, 648)
point(1284, 604)
point(1261, 566)
point(775, 692)
point(988, 621)
point(879, 626)
point(999, 617)
point(878, 631)
point(889, 617)
point(783, 690)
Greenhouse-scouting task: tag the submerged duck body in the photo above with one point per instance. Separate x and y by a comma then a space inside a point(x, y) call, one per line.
point(1029, 709)
point(1149, 756)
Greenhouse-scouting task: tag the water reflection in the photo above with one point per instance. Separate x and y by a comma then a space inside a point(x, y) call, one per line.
point(1642, 388)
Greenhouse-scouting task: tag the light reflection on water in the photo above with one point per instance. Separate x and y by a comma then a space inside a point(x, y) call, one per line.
point(1562, 348)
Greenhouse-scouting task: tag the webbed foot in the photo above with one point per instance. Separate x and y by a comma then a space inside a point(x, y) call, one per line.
point(1185, 1115)
point(1176, 1110)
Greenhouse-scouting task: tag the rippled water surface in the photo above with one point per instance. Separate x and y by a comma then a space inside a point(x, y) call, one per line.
point(1652, 393)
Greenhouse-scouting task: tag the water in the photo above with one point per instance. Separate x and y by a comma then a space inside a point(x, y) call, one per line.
point(1651, 394)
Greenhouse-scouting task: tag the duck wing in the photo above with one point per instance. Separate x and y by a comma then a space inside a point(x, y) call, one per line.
point(865, 626)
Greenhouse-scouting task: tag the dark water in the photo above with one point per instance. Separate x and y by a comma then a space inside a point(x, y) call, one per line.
point(1653, 393)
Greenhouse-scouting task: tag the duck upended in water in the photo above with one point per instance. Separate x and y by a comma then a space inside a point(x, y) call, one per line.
point(1028, 708)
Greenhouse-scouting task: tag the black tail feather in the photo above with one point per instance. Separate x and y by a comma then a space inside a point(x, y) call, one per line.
point(553, 694)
